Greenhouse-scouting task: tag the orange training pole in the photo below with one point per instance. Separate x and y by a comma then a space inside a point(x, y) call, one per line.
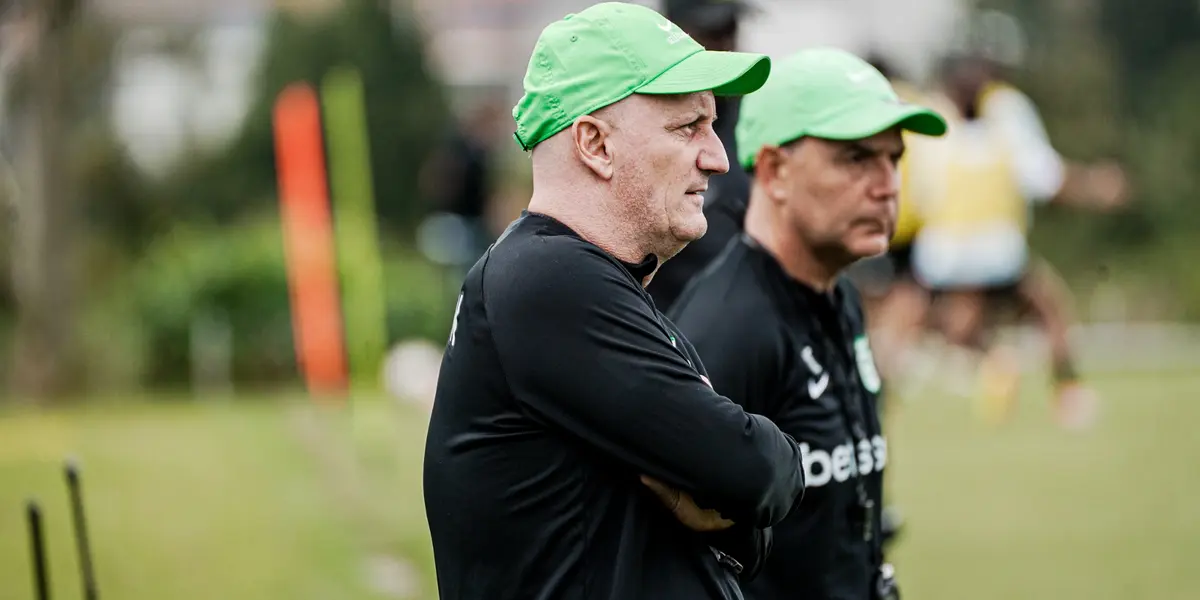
point(308, 241)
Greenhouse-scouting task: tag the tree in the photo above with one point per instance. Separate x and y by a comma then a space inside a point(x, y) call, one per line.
point(46, 227)
point(215, 213)
point(405, 111)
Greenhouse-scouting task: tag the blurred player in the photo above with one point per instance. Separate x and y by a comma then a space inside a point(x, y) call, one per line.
point(971, 250)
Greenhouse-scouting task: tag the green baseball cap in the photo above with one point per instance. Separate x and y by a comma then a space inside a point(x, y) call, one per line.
point(589, 60)
point(825, 93)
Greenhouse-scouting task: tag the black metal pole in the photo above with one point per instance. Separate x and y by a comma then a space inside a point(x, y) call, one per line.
point(74, 485)
point(41, 574)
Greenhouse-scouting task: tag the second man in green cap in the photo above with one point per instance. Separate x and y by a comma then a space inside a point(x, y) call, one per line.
point(779, 329)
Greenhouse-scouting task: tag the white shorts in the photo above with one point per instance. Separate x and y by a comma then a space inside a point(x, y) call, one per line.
point(991, 256)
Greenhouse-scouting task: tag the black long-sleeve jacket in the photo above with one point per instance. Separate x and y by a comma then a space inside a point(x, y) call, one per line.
point(560, 385)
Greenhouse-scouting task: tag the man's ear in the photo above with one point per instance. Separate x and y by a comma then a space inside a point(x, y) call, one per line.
point(591, 138)
point(770, 171)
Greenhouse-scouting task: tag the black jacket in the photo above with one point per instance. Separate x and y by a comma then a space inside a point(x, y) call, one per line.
point(801, 357)
point(560, 385)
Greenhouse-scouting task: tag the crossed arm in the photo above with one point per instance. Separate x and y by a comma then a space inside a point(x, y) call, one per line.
point(585, 353)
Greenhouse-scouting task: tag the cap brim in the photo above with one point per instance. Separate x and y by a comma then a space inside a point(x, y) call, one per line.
point(725, 73)
point(861, 122)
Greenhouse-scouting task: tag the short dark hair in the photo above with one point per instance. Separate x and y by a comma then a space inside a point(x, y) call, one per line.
point(710, 16)
point(881, 63)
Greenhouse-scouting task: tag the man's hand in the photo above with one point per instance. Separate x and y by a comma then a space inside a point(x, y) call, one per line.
point(1101, 186)
point(1107, 185)
point(684, 508)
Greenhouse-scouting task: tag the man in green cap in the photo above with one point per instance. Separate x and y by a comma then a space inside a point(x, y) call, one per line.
point(780, 329)
point(576, 449)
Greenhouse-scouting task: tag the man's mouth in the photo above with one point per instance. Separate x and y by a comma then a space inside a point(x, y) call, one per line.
point(877, 224)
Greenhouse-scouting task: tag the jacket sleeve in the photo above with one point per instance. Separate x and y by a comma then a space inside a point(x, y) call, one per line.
point(746, 362)
point(585, 353)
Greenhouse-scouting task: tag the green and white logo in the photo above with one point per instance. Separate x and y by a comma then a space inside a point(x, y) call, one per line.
point(866, 365)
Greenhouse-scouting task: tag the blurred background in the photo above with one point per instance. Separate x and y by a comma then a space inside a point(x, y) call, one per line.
point(171, 216)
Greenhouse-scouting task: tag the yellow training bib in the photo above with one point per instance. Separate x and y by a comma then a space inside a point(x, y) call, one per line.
point(908, 216)
point(967, 179)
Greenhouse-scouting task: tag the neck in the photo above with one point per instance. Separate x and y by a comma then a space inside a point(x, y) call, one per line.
point(797, 258)
point(585, 213)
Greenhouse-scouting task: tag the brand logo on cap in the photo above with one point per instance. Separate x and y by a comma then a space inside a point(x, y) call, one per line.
point(859, 76)
point(676, 36)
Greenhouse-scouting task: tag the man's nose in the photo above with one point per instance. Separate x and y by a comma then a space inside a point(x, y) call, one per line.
point(712, 157)
point(888, 185)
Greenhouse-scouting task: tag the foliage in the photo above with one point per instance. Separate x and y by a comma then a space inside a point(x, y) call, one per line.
point(204, 243)
point(235, 274)
point(1120, 83)
point(404, 104)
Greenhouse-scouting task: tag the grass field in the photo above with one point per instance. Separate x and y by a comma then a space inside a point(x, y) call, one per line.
point(273, 499)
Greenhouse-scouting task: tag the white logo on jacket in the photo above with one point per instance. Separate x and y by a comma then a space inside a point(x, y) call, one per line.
point(823, 466)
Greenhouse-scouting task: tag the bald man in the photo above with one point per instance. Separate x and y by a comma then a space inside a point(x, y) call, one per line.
point(576, 448)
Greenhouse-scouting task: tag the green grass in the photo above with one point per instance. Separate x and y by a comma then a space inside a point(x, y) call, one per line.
point(264, 500)
point(1028, 511)
point(254, 500)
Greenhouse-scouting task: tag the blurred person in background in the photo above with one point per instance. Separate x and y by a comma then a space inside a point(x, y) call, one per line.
point(575, 448)
point(459, 178)
point(782, 332)
point(714, 24)
point(975, 194)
